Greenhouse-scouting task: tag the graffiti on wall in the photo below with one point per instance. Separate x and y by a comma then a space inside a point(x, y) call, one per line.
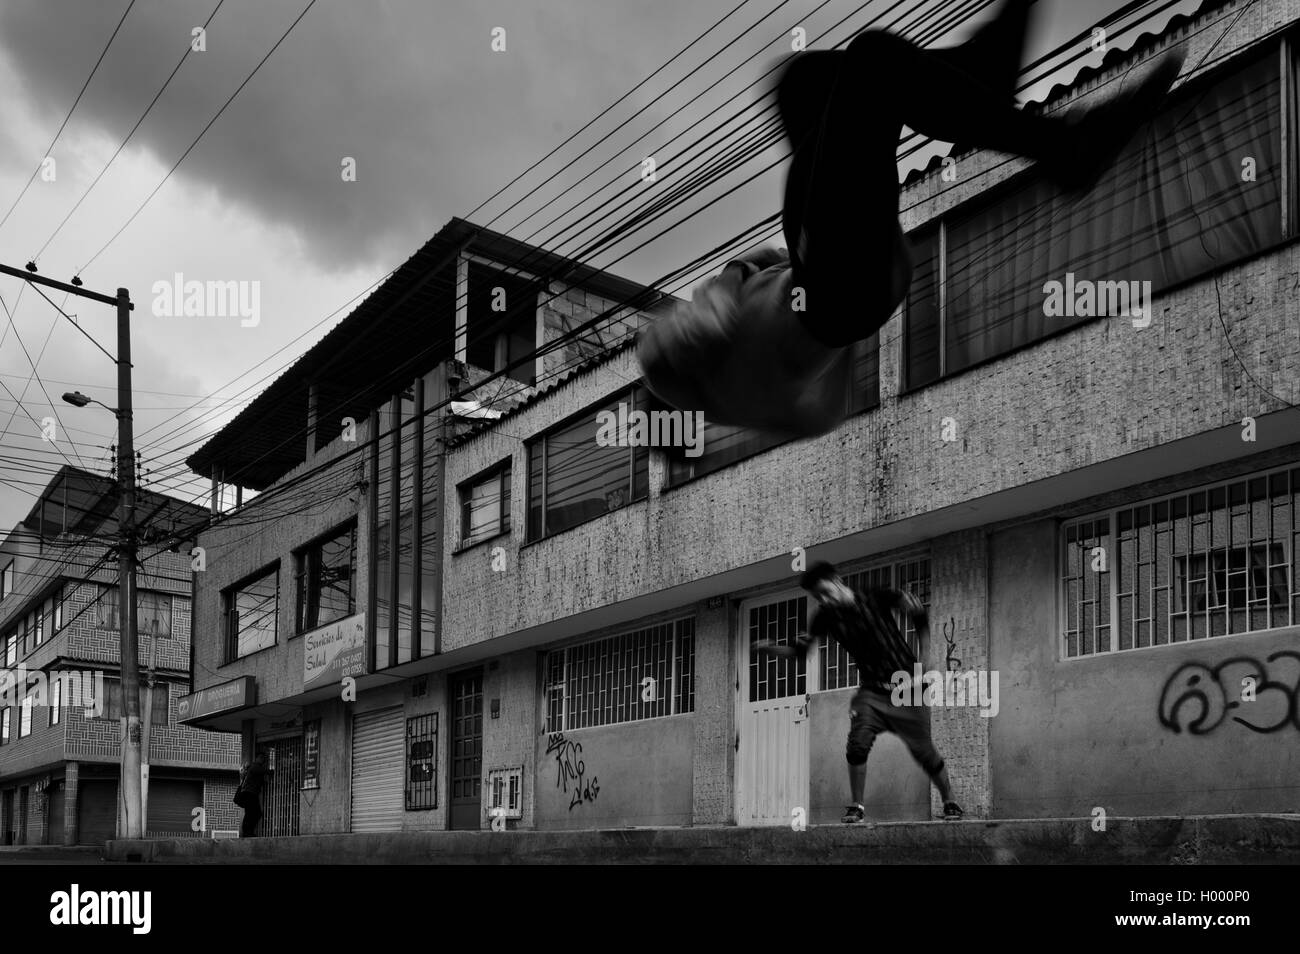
point(1263, 697)
point(570, 769)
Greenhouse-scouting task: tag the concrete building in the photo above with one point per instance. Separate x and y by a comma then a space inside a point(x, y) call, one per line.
point(1076, 442)
point(60, 695)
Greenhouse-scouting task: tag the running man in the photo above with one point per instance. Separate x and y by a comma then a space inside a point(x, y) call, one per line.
point(863, 623)
point(764, 343)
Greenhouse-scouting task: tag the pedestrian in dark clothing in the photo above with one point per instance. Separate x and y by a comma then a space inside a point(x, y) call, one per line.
point(248, 795)
point(863, 623)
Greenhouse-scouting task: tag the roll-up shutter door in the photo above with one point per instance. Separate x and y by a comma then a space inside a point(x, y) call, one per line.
point(96, 811)
point(172, 803)
point(378, 755)
point(56, 802)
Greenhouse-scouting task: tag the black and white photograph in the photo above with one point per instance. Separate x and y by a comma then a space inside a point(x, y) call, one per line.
point(687, 434)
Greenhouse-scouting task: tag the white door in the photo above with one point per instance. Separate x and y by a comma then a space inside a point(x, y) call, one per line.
point(772, 763)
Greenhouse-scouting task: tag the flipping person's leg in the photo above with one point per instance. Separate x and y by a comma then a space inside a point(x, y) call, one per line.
point(842, 198)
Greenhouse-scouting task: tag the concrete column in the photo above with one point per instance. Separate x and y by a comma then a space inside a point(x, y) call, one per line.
point(248, 739)
point(71, 792)
point(712, 797)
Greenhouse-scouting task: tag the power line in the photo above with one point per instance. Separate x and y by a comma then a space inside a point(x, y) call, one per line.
point(189, 48)
point(190, 148)
point(62, 125)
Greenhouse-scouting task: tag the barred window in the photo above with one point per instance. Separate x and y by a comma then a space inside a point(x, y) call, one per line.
point(772, 676)
point(837, 668)
point(639, 675)
point(422, 762)
point(1216, 561)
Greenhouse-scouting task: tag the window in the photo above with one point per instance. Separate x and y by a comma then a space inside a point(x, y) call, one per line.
point(61, 599)
point(505, 792)
point(153, 612)
point(56, 698)
point(154, 615)
point(638, 675)
point(25, 717)
point(422, 762)
point(572, 479)
point(251, 611)
point(47, 619)
point(112, 710)
point(6, 715)
point(1214, 562)
point(485, 506)
point(1146, 220)
point(327, 571)
point(725, 444)
point(501, 321)
point(7, 580)
point(11, 649)
point(106, 608)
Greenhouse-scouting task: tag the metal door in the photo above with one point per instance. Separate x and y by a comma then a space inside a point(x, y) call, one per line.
point(281, 786)
point(96, 811)
point(378, 761)
point(772, 761)
point(23, 795)
point(466, 750)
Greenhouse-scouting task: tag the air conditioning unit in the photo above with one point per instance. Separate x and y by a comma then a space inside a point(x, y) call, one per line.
point(505, 791)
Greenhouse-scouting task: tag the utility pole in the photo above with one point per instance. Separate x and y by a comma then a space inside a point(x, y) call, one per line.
point(126, 548)
point(132, 788)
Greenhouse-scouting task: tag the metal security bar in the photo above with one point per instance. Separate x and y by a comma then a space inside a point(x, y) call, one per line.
point(1086, 583)
point(1216, 561)
point(643, 674)
point(422, 762)
point(771, 676)
point(281, 786)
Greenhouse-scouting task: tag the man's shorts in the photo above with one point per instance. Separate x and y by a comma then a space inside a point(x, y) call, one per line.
point(872, 711)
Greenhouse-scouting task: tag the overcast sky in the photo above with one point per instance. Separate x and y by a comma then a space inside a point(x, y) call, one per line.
point(411, 89)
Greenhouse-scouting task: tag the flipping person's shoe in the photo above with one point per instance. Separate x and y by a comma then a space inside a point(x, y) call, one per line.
point(854, 814)
point(738, 353)
point(993, 53)
point(952, 811)
point(1100, 132)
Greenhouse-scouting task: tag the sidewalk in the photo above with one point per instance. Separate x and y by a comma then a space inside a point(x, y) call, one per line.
point(1205, 839)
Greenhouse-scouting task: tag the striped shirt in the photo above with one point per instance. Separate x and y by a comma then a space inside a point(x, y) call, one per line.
point(868, 632)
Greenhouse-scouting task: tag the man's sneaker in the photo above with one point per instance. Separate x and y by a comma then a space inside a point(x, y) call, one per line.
point(952, 811)
point(1102, 131)
point(738, 353)
point(854, 813)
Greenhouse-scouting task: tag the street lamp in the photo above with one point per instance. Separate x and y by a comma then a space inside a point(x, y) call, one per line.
point(77, 399)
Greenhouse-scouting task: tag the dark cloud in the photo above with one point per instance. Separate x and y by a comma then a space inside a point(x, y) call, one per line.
point(409, 88)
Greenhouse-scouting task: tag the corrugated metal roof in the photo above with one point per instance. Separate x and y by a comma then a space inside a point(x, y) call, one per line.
point(1116, 57)
point(369, 354)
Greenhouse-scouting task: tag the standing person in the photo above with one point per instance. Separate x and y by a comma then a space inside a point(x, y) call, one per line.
point(248, 795)
point(863, 623)
point(764, 343)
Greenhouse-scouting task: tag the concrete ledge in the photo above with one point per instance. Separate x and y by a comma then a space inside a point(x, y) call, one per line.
point(1204, 839)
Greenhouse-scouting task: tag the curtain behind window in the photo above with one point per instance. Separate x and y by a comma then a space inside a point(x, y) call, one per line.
point(1174, 206)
